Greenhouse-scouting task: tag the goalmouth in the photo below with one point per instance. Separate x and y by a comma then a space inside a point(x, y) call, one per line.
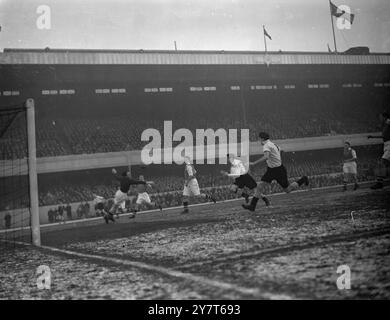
point(19, 204)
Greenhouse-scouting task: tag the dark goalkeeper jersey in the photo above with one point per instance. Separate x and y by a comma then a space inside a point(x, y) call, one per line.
point(126, 182)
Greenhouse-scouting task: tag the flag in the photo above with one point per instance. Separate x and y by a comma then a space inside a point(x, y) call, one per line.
point(334, 10)
point(351, 18)
point(266, 33)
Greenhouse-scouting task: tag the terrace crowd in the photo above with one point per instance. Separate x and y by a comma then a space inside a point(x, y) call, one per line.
point(85, 135)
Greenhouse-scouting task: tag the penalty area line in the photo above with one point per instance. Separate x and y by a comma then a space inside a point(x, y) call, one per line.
point(186, 276)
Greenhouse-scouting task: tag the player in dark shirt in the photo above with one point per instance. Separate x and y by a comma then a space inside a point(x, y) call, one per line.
point(384, 163)
point(120, 198)
point(143, 197)
point(126, 181)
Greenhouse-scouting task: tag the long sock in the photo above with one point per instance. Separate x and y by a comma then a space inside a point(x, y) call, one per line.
point(254, 202)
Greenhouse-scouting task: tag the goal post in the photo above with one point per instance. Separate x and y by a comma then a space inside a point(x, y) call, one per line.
point(32, 173)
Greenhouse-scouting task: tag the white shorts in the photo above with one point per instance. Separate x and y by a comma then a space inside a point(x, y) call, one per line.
point(143, 198)
point(120, 198)
point(386, 151)
point(191, 189)
point(350, 167)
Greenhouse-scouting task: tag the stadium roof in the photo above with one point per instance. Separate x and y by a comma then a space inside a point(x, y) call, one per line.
point(154, 57)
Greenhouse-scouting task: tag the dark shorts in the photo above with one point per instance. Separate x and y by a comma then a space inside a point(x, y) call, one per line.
point(100, 206)
point(245, 180)
point(279, 174)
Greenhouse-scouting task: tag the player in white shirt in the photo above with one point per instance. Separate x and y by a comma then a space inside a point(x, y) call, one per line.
point(349, 166)
point(191, 186)
point(275, 170)
point(242, 179)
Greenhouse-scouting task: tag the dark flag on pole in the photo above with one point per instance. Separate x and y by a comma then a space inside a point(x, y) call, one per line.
point(266, 34)
point(351, 18)
point(335, 11)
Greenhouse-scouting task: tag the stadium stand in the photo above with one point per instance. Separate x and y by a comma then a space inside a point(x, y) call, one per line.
point(63, 130)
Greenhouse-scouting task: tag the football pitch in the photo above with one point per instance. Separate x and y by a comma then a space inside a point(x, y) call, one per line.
point(290, 250)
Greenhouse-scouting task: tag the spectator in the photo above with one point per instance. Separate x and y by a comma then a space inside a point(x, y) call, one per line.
point(7, 221)
point(69, 212)
point(50, 215)
point(80, 211)
point(60, 212)
point(55, 215)
point(86, 209)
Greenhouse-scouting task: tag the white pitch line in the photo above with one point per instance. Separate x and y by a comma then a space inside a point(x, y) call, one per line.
point(167, 272)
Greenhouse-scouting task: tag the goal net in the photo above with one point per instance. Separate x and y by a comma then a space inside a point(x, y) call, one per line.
point(16, 162)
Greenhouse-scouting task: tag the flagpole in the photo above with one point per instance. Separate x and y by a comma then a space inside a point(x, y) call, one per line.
point(265, 40)
point(334, 37)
